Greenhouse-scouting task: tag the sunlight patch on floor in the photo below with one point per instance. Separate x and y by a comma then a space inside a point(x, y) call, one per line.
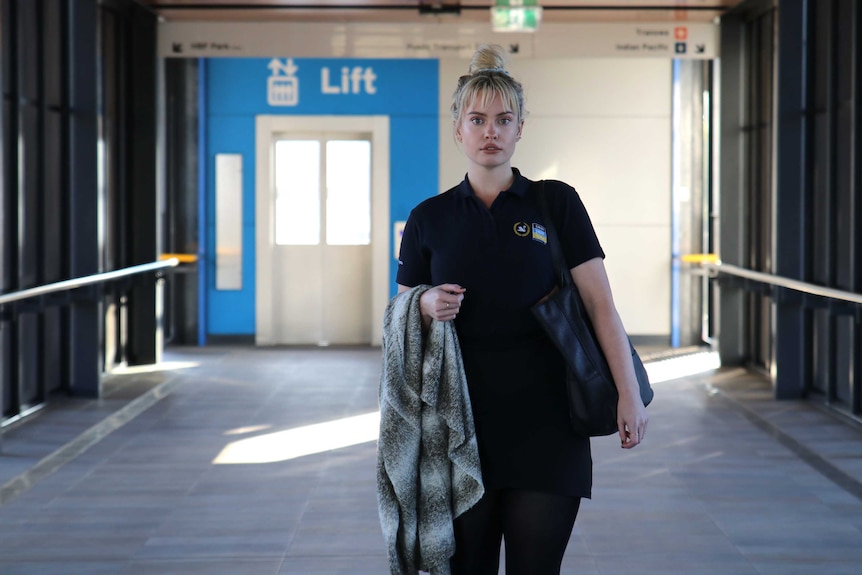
point(684, 366)
point(300, 441)
point(322, 437)
point(246, 430)
point(152, 367)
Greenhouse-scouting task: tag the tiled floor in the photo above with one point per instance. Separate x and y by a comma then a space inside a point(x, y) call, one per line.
point(201, 475)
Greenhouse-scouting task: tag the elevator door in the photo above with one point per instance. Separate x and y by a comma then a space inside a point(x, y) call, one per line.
point(321, 215)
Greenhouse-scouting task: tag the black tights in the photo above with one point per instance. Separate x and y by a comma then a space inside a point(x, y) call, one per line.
point(536, 527)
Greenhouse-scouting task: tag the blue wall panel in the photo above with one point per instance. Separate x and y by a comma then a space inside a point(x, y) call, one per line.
point(238, 89)
point(414, 169)
point(231, 311)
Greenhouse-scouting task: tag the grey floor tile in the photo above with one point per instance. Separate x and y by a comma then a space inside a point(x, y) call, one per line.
point(77, 546)
point(336, 565)
point(233, 546)
point(709, 493)
point(60, 567)
point(680, 563)
point(218, 566)
point(805, 567)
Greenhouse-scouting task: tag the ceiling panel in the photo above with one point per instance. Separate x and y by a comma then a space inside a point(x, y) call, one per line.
point(435, 10)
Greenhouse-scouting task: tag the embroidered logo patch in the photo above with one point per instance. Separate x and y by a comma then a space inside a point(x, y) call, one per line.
point(522, 229)
point(539, 234)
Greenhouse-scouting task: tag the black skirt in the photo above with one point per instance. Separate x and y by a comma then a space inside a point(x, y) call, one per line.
point(521, 415)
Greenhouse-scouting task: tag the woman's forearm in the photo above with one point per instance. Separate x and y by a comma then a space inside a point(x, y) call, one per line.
point(615, 345)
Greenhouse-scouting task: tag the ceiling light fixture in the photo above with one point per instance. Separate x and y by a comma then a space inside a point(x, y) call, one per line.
point(439, 7)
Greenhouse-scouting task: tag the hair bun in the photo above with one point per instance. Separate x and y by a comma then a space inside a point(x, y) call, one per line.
point(488, 58)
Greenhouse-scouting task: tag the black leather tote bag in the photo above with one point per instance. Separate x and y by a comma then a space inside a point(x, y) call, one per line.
point(592, 395)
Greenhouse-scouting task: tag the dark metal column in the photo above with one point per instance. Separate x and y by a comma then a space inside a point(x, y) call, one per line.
point(844, 38)
point(856, 232)
point(141, 140)
point(30, 170)
point(8, 401)
point(731, 326)
point(181, 225)
point(85, 329)
point(55, 224)
point(791, 173)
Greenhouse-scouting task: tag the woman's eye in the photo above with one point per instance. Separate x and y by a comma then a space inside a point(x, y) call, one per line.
point(476, 121)
point(505, 121)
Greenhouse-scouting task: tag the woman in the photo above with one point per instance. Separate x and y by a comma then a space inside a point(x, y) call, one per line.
point(483, 247)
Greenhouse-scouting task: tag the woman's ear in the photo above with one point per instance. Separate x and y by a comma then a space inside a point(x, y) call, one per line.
point(520, 129)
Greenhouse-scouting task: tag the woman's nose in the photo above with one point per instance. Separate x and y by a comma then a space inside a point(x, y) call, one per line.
point(491, 131)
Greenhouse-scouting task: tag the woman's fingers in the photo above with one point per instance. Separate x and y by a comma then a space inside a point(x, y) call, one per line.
point(632, 422)
point(632, 438)
point(447, 301)
point(448, 307)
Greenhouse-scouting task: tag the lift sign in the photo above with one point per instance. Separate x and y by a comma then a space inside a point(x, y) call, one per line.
point(352, 81)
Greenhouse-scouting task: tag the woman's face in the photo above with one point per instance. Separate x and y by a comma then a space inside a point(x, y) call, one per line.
point(488, 134)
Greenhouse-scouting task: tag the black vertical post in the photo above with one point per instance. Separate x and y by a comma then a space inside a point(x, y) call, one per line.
point(856, 231)
point(29, 190)
point(55, 191)
point(84, 353)
point(181, 232)
point(141, 187)
point(791, 173)
point(731, 245)
point(8, 227)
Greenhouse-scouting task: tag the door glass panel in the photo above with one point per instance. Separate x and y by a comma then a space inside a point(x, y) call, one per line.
point(348, 192)
point(297, 192)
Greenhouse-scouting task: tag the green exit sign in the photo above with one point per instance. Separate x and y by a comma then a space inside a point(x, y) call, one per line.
point(515, 16)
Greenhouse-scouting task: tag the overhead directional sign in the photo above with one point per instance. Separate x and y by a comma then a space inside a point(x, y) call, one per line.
point(686, 40)
point(515, 16)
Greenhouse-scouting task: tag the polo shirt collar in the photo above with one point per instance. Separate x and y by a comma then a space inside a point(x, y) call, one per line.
point(520, 185)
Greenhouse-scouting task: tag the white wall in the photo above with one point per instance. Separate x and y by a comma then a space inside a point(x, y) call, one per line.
point(604, 127)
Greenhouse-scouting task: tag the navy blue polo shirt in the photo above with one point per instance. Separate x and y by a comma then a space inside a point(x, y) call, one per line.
point(499, 254)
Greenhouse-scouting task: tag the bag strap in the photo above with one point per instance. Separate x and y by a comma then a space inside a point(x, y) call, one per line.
point(553, 239)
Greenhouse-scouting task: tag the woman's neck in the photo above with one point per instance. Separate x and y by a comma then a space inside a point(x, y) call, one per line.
point(488, 183)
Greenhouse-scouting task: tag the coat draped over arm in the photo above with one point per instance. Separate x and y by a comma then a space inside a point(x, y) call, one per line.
point(428, 470)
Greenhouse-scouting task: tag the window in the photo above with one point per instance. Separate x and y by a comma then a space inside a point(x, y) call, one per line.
point(348, 192)
point(297, 188)
point(299, 213)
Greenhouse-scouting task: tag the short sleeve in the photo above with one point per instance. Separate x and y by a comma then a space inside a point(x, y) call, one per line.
point(575, 229)
point(414, 266)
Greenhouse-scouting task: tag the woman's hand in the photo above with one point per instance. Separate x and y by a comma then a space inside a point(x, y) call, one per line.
point(441, 303)
point(632, 420)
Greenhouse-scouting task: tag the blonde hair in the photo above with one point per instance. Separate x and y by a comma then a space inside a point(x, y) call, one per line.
point(486, 79)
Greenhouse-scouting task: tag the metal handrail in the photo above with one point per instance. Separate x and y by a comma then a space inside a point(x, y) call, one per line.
point(788, 283)
point(86, 280)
